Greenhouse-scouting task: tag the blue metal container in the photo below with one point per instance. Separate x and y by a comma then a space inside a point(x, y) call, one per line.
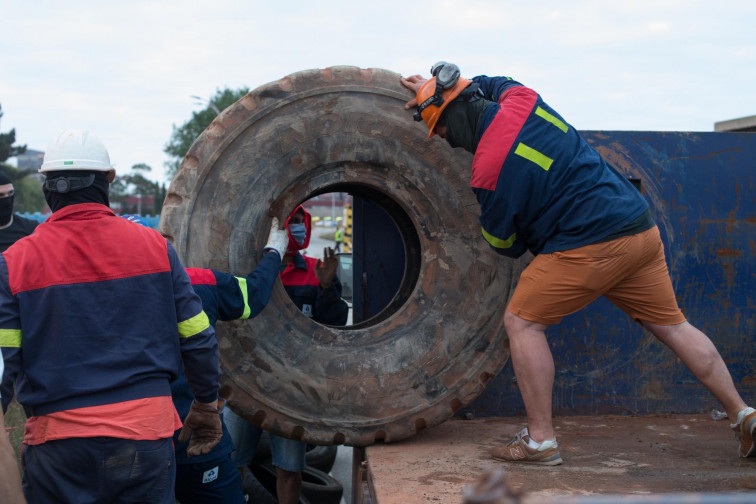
point(702, 191)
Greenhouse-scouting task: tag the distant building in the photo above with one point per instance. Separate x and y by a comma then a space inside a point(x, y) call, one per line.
point(142, 205)
point(30, 160)
point(744, 124)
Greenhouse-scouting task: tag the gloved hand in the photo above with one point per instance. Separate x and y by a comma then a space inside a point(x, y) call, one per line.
point(203, 424)
point(278, 239)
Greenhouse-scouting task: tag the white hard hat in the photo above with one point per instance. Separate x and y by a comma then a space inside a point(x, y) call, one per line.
point(76, 150)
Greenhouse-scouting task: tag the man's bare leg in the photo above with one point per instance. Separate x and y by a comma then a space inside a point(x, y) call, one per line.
point(697, 351)
point(288, 486)
point(534, 369)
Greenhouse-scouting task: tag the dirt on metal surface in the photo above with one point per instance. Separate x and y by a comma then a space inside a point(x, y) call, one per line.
point(603, 455)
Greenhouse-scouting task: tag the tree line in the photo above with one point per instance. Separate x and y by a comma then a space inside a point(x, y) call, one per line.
point(131, 192)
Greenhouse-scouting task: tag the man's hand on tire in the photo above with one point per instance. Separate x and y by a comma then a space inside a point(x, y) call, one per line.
point(278, 239)
point(413, 83)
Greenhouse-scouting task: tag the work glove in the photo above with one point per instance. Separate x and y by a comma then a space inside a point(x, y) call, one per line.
point(203, 424)
point(278, 239)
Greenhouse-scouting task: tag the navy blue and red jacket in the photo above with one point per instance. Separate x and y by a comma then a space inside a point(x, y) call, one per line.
point(540, 186)
point(302, 286)
point(224, 297)
point(95, 310)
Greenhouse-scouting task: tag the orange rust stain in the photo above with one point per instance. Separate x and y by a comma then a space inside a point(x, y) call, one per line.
point(728, 252)
point(728, 222)
point(730, 277)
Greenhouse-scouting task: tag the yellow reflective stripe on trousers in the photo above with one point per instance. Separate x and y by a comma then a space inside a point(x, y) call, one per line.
point(552, 119)
point(498, 242)
point(533, 155)
point(245, 295)
point(10, 338)
point(194, 325)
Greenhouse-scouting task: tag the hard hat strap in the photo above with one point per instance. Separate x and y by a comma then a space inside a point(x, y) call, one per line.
point(436, 100)
point(471, 93)
point(67, 184)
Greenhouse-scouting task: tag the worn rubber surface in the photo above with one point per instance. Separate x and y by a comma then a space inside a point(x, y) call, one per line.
point(427, 355)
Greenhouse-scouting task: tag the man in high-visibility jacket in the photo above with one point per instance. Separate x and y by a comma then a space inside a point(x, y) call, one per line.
point(338, 238)
point(108, 314)
point(542, 188)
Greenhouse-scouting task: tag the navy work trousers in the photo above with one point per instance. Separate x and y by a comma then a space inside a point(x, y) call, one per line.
point(213, 482)
point(99, 470)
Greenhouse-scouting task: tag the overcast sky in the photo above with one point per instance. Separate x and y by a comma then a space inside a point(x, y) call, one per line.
point(126, 69)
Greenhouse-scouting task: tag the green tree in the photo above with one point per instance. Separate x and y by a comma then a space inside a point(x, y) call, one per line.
point(29, 195)
point(136, 183)
point(184, 136)
point(7, 150)
point(27, 184)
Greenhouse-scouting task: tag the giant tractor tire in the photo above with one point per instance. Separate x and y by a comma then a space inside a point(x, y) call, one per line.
point(427, 354)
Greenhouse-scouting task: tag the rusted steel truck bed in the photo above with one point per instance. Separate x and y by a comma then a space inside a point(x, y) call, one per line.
point(627, 456)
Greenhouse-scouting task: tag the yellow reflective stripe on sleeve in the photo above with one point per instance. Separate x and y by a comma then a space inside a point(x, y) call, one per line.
point(245, 295)
point(533, 155)
point(498, 242)
point(552, 119)
point(194, 325)
point(10, 338)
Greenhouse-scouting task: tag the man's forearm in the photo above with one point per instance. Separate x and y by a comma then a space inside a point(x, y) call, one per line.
point(10, 482)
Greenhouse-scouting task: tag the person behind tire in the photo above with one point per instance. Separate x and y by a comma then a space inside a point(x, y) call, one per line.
point(212, 478)
point(338, 238)
point(107, 313)
point(542, 188)
point(12, 227)
point(315, 289)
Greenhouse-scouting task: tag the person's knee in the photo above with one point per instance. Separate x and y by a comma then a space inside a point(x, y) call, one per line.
point(685, 336)
point(672, 333)
point(287, 476)
point(511, 323)
point(517, 326)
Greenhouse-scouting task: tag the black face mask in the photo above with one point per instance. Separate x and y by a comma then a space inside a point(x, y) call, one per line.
point(95, 193)
point(6, 210)
point(461, 119)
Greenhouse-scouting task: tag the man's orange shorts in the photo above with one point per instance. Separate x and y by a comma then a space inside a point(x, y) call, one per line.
point(630, 271)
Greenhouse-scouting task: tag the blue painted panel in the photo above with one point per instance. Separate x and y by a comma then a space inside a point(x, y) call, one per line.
point(378, 271)
point(702, 192)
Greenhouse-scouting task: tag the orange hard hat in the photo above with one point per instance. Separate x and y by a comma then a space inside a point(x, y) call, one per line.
point(432, 100)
